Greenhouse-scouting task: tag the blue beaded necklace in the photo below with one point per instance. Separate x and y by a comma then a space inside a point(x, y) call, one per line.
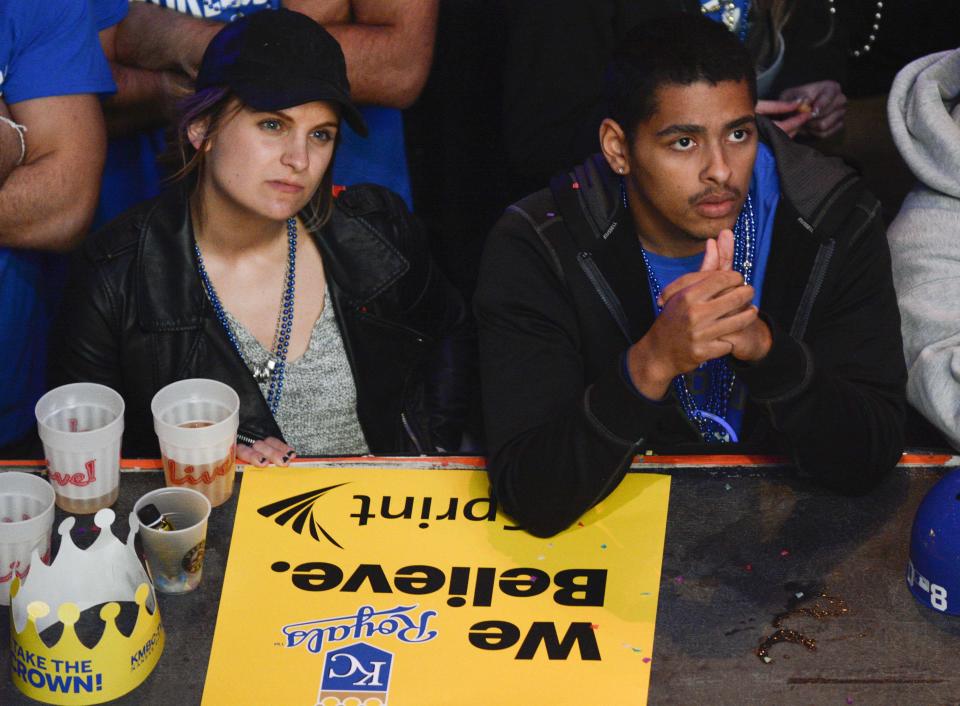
point(711, 422)
point(275, 367)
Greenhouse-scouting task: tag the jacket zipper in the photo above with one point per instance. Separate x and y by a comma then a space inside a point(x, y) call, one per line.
point(610, 300)
point(605, 291)
point(820, 265)
point(377, 321)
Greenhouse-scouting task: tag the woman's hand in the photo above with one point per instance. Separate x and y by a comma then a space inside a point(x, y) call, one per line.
point(267, 451)
point(827, 103)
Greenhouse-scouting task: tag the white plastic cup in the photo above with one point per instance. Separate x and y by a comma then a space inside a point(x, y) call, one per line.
point(81, 426)
point(196, 422)
point(26, 523)
point(175, 557)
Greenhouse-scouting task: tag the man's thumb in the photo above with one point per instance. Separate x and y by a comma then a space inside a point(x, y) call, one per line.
point(711, 258)
point(725, 249)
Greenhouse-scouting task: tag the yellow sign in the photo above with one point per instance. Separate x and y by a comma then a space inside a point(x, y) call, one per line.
point(364, 587)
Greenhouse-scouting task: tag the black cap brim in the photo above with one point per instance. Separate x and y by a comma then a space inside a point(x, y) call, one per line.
point(270, 97)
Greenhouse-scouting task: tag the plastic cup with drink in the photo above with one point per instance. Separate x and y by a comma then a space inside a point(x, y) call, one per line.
point(26, 522)
point(196, 422)
point(81, 426)
point(173, 527)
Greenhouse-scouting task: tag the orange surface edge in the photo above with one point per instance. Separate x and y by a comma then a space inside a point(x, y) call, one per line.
point(908, 459)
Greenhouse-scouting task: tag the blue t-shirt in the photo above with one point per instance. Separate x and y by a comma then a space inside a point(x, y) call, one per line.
point(132, 174)
point(51, 48)
point(765, 193)
point(217, 10)
point(47, 48)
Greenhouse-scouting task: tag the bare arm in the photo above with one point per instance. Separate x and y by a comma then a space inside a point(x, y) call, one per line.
point(144, 97)
point(153, 37)
point(9, 146)
point(388, 45)
point(48, 202)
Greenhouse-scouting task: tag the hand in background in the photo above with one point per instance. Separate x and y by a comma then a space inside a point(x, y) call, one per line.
point(828, 106)
point(794, 116)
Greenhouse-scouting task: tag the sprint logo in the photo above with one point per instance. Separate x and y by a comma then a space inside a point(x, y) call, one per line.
point(300, 512)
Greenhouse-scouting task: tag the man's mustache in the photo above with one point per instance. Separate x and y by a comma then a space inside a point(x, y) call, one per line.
point(731, 193)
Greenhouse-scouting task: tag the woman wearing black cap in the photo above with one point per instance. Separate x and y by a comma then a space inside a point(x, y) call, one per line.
point(325, 314)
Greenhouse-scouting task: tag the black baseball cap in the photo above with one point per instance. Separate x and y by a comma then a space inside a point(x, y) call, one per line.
point(276, 59)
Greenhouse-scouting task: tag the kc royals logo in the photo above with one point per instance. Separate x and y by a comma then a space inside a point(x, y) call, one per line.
point(359, 671)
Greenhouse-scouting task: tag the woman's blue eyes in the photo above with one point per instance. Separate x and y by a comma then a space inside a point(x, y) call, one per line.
point(271, 125)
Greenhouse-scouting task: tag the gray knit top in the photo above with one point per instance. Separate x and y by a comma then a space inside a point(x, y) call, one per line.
point(318, 406)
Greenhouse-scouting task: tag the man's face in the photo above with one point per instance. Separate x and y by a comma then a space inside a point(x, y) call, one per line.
point(690, 165)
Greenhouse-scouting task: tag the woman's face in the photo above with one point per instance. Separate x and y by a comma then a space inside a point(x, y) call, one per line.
point(268, 163)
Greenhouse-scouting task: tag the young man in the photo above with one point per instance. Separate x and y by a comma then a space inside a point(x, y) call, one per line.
point(613, 312)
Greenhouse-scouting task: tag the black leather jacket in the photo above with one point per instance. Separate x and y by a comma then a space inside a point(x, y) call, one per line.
point(563, 293)
point(135, 317)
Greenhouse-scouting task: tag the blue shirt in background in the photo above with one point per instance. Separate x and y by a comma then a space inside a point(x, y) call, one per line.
point(47, 48)
point(765, 192)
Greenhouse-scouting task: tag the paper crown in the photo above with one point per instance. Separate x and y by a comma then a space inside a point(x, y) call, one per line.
point(70, 672)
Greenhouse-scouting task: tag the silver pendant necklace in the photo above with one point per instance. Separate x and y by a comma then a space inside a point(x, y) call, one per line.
point(262, 373)
point(274, 370)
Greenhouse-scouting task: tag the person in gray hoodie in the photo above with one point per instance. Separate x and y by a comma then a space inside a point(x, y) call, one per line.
point(924, 109)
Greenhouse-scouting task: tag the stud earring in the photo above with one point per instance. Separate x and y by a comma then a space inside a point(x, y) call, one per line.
point(620, 170)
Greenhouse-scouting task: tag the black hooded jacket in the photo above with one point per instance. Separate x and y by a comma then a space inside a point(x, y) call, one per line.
point(563, 293)
point(135, 318)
